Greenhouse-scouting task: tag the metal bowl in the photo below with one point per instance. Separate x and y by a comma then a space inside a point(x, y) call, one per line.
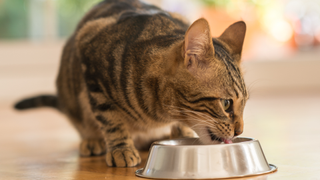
point(189, 159)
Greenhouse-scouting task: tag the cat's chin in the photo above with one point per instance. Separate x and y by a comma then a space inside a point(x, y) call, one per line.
point(211, 138)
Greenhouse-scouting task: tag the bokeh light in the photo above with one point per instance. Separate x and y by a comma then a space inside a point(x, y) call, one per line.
point(281, 30)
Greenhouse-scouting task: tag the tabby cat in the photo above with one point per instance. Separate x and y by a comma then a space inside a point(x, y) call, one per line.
point(131, 70)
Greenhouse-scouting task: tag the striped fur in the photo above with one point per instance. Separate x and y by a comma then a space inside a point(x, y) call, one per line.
point(39, 101)
point(131, 71)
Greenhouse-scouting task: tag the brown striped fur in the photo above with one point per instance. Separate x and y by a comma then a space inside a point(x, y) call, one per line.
point(131, 71)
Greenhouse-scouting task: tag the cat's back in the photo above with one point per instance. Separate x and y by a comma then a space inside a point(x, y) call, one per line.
point(120, 10)
point(128, 20)
point(121, 33)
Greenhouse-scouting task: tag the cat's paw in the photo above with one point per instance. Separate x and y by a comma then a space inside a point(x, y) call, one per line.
point(181, 131)
point(92, 147)
point(123, 157)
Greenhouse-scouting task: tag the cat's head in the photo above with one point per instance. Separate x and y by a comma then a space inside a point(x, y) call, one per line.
point(210, 93)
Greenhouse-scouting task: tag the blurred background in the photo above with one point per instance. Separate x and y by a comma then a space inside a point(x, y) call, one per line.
point(281, 26)
point(281, 50)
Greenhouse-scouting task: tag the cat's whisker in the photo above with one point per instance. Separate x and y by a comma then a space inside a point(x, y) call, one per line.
point(197, 140)
point(179, 109)
point(201, 120)
point(198, 123)
point(195, 114)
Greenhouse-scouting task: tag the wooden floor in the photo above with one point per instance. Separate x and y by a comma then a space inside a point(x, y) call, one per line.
point(41, 144)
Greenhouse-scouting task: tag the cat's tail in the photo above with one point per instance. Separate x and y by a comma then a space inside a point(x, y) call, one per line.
point(38, 101)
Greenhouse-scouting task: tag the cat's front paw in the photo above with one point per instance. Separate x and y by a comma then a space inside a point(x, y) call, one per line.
point(123, 157)
point(181, 131)
point(92, 147)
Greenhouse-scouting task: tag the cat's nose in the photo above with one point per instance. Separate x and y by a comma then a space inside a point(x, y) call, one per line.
point(238, 129)
point(237, 132)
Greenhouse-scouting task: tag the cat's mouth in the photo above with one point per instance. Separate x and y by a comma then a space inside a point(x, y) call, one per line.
point(216, 138)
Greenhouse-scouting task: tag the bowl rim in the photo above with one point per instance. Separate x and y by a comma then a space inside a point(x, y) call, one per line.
point(273, 169)
point(158, 143)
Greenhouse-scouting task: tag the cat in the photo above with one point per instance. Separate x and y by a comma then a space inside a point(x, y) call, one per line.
point(131, 70)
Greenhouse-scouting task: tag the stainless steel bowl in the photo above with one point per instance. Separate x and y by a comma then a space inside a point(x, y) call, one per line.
point(189, 159)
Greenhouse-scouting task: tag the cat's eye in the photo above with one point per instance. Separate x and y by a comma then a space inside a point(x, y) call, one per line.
point(226, 104)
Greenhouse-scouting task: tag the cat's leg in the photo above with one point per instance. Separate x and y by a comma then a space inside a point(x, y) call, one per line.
point(143, 140)
point(92, 140)
point(121, 151)
point(114, 129)
point(92, 147)
point(181, 131)
point(92, 143)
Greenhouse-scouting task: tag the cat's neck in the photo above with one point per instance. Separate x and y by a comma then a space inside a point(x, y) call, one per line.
point(169, 63)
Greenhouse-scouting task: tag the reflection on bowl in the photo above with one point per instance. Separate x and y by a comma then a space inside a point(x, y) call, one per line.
point(189, 159)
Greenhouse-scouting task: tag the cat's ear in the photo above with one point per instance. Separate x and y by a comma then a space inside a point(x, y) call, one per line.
point(233, 36)
point(198, 44)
